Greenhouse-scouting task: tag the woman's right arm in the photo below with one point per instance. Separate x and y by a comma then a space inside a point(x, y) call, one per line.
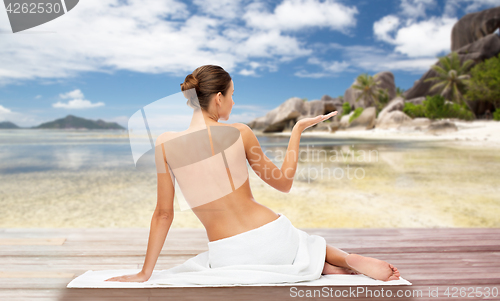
point(279, 178)
point(161, 220)
point(164, 212)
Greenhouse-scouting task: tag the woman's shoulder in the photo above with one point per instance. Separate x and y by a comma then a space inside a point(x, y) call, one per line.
point(247, 135)
point(164, 137)
point(243, 128)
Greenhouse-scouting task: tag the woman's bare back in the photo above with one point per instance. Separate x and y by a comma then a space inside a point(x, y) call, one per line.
point(233, 214)
point(191, 157)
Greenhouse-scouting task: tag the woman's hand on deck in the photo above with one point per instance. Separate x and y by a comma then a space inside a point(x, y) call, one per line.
point(139, 277)
point(308, 122)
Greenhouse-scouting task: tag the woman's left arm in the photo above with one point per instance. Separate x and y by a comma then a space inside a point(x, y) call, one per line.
point(161, 220)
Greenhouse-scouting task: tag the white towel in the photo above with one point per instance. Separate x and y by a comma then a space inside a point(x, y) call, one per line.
point(276, 253)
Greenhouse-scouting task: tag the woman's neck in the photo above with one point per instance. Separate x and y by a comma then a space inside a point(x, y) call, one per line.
point(202, 119)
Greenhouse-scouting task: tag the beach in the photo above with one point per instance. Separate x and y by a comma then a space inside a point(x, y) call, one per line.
point(481, 133)
point(362, 179)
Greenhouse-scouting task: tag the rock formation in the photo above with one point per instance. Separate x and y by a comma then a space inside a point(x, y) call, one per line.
point(344, 121)
point(365, 121)
point(475, 26)
point(393, 105)
point(292, 110)
point(393, 119)
point(75, 122)
point(416, 101)
point(8, 125)
point(441, 126)
point(419, 123)
point(482, 44)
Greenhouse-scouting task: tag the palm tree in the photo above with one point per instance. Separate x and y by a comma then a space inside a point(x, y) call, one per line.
point(399, 91)
point(369, 89)
point(452, 77)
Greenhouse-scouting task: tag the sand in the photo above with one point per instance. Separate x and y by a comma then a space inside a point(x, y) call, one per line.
point(451, 182)
point(483, 133)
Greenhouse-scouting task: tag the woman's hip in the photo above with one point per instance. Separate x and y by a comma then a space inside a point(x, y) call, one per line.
point(274, 243)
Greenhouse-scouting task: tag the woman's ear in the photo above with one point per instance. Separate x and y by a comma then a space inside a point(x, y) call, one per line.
point(218, 97)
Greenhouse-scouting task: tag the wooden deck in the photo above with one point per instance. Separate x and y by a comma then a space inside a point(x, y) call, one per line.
point(37, 264)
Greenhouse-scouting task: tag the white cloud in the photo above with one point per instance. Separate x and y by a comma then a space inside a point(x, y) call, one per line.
point(304, 73)
point(253, 68)
point(292, 15)
point(328, 68)
point(426, 38)
point(471, 6)
point(269, 44)
point(76, 101)
point(429, 37)
point(20, 119)
point(153, 36)
point(247, 72)
point(370, 58)
point(412, 65)
point(77, 104)
point(38, 96)
point(72, 94)
point(4, 110)
point(383, 27)
point(417, 43)
point(226, 9)
point(421, 41)
point(416, 8)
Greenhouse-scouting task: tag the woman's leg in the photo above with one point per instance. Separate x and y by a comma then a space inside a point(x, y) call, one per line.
point(368, 266)
point(329, 269)
point(335, 262)
point(335, 256)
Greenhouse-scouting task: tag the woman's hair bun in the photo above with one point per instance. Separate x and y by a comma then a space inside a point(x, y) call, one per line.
point(190, 88)
point(205, 81)
point(190, 82)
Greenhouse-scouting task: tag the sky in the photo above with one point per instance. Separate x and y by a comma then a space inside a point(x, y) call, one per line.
point(106, 59)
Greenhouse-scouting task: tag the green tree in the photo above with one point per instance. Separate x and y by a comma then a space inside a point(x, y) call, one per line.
point(436, 107)
point(383, 100)
point(369, 89)
point(451, 77)
point(356, 114)
point(346, 109)
point(496, 115)
point(484, 83)
point(399, 91)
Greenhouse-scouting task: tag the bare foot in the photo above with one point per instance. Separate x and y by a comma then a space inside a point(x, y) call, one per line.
point(329, 269)
point(372, 267)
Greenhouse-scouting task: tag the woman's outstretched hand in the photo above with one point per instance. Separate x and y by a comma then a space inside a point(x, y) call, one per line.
point(308, 122)
point(139, 277)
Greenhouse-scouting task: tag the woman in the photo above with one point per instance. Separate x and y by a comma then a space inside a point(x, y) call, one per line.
point(233, 213)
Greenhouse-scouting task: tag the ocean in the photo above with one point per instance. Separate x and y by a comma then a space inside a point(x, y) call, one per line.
point(88, 179)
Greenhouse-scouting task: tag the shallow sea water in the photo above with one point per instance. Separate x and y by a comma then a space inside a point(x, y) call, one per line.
point(87, 179)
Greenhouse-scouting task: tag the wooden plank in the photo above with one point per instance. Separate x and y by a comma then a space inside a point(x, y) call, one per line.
point(34, 274)
point(369, 232)
point(32, 241)
point(442, 257)
point(235, 293)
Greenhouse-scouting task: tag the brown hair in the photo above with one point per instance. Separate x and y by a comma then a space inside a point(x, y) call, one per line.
point(207, 80)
